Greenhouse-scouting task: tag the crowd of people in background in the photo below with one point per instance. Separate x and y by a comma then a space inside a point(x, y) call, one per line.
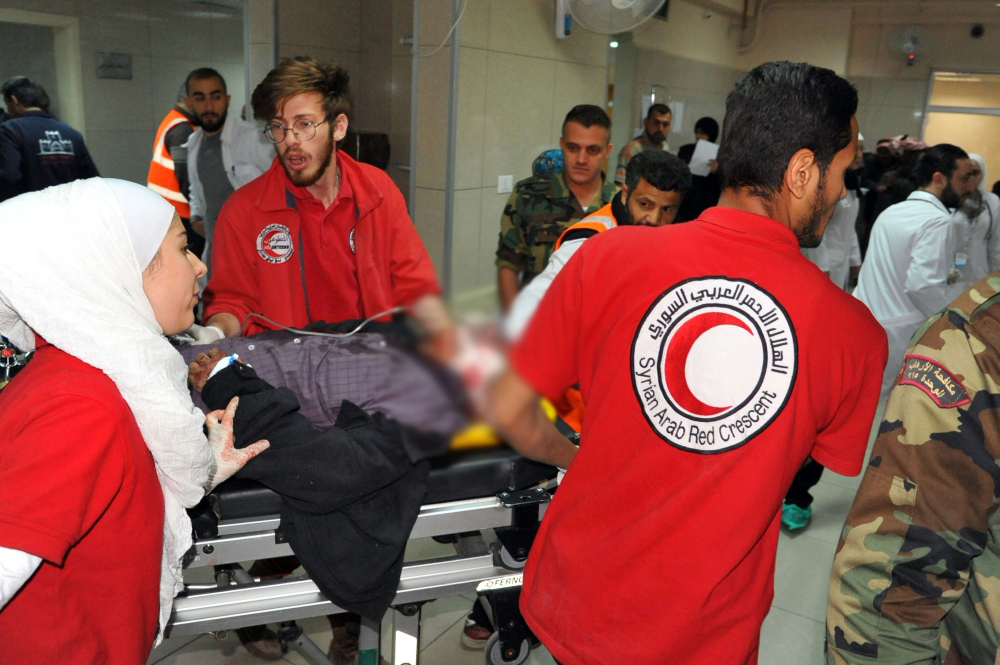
point(276, 224)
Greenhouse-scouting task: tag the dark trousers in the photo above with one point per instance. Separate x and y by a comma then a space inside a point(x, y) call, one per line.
point(804, 480)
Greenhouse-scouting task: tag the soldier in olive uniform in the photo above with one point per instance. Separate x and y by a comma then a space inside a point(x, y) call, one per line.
point(541, 207)
point(917, 575)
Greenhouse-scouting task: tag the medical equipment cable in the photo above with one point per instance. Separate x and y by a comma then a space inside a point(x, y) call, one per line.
point(454, 25)
point(316, 333)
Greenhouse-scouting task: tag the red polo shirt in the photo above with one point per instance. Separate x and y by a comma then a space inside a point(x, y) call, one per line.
point(713, 359)
point(78, 488)
point(275, 253)
point(328, 249)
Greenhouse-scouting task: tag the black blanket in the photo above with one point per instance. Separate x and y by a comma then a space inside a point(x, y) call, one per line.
point(351, 493)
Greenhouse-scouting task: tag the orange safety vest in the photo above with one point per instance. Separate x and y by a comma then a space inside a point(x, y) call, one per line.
point(597, 221)
point(570, 406)
point(162, 179)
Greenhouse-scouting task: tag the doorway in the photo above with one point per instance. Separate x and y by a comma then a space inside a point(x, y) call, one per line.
point(963, 108)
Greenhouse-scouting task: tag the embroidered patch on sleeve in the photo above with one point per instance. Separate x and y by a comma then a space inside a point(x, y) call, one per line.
point(934, 380)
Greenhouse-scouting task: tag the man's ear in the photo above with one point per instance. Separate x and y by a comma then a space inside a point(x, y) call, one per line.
point(624, 194)
point(802, 170)
point(340, 127)
point(939, 180)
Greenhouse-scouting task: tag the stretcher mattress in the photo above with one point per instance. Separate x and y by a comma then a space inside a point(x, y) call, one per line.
point(455, 476)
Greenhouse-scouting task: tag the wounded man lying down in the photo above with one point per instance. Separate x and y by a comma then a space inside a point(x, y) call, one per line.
point(352, 549)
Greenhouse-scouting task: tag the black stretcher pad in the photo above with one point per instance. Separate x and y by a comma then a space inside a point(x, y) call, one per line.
point(466, 474)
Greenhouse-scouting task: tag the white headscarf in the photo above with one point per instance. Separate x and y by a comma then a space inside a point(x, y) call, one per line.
point(76, 280)
point(978, 159)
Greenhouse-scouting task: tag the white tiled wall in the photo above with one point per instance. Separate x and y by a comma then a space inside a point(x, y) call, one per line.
point(701, 86)
point(363, 36)
point(166, 39)
point(516, 83)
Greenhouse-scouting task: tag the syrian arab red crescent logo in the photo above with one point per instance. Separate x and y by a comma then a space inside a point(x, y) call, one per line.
point(274, 243)
point(713, 363)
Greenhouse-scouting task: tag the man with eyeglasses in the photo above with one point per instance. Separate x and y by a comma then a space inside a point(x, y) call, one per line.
point(224, 153)
point(318, 237)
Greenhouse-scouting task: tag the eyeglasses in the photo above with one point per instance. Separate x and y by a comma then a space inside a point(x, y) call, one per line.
point(303, 129)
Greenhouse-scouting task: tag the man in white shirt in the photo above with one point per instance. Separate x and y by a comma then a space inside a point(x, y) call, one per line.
point(978, 228)
point(839, 254)
point(224, 153)
point(910, 269)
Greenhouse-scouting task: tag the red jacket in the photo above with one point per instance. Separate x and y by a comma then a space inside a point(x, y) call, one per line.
point(256, 262)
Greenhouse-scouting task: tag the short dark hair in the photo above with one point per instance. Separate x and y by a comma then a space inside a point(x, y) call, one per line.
point(203, 74)
point(709, 126)
point(28, 93)
point(294, 76)
point(587, 115)
point(659, 109)
point(662, 170)
point(776, 110)
point(941, 158)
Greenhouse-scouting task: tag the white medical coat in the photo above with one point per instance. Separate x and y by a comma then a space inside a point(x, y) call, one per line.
point(904, 278)
point(839, 249)
point(246, 154)
point(979, 239)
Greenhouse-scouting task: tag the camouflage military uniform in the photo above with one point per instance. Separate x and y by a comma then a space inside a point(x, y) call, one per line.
point(537, 212)
point(917, 574)
point(631, 149)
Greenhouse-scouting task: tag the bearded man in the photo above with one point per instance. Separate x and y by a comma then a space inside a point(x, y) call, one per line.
point(224, 153)
point(914, 260)
point(317, 237)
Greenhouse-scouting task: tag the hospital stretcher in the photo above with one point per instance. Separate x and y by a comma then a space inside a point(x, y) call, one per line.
point(468, 492)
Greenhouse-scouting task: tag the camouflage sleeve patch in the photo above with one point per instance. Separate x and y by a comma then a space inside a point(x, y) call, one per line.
point(934, 380)
point(910, 550)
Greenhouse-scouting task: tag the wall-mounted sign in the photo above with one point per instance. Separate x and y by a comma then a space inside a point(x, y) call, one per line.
point(114, 66)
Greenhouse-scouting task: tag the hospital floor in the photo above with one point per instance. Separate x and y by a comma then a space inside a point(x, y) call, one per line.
point(792, 634)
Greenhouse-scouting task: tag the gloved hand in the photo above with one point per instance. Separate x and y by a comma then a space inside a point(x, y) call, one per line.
point(228, 460)
point(478, 363)
point(205, 334)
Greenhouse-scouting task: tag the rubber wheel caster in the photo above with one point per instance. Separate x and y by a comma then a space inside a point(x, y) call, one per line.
point(506, 559)
point(495, 657)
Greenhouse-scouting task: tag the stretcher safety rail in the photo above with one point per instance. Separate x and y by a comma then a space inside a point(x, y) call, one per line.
point(202, 611)
point(513, 494)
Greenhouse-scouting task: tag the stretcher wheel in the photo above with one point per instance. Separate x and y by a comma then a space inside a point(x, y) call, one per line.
point(495, 657)
point(507, 559)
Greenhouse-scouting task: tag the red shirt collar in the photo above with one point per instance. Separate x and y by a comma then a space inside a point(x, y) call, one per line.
point(741, 221)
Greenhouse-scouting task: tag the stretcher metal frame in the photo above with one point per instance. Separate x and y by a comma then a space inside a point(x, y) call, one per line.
point(238, 600)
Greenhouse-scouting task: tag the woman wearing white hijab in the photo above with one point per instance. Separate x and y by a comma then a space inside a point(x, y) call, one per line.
point(101, 448)
point(977, 222)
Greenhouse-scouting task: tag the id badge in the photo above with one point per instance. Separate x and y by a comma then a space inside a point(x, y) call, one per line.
point(960, 260)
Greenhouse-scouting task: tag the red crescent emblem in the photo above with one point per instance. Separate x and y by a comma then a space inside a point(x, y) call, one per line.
point(676, 356)
point(266, 245)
